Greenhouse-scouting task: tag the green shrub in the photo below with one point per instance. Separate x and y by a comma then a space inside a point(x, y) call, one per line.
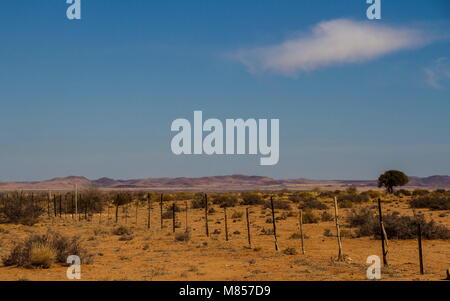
point(310, 218)
point(38, 251)
point(434, 201)
point(20, 209)
point(396, 226)
point(313, 204)
point(225, 200)
point(250, 198)
point(301, 196)
point(277, 204)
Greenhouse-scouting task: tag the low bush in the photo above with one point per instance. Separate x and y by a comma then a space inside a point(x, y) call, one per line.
point(42, 251)
point(277, 204)
point(122, 230)
point(250, 198)
point(183, 236)
point(326, 217)
point(434, 201)
point(313, 204)
point(18, 209)
point(396, 226)
point(225, 200)
point(290, 251)
point(237, 214)
point(301, 196)
point(310, 218)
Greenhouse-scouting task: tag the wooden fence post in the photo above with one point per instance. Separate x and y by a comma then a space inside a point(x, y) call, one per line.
point(248, 228)
point(108, 213)
point(76, 201)
point(161, 210)
point(419, 240)
point(60, 206)
point(226, 222)
point(173, 217)
point(338, 230)
point(274, 224)
point(186, 217)
point(137, 209)
point(206, 215)
point(149, 202)
point(384, 248)
point(55, 210)
point(48, 203)
point(117, 211)
point(301, 230)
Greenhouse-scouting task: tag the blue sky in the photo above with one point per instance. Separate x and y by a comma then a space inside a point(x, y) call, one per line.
point(96, 97)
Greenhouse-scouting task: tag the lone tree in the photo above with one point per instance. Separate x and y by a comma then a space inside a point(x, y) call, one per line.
point(392, 178)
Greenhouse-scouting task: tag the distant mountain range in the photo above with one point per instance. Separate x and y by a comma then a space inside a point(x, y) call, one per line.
point(215, 183)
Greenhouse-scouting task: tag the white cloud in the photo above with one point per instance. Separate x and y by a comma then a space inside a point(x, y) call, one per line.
point(438, 74)
point(330, 43)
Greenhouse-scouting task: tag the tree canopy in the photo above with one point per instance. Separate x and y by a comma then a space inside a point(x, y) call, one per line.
point(391, 178)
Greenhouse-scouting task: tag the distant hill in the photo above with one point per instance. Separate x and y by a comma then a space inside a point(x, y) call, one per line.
point(215, 183)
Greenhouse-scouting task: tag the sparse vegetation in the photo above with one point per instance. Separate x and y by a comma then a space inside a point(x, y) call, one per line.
point(41, 251)
point(434, 201)
point(397, 227)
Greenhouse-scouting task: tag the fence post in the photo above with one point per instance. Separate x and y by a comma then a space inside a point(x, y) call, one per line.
point(226, 222)
point(117, 211)
point(149, 201)
point(137, 208)
point(173, 217)
point(76, 201)
point(186, 217)
point(274, 224)
point(206, 215)
point(338, 230)
point(301, 231)
point(60, 206)
point(419, 240)
point(161, 210)
point(248, 228)
point(55, 210)
point(48, 203)
point(384, 248)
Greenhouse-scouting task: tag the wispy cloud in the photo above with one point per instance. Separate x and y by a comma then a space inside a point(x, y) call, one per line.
point(438, 74)
point(330, 43)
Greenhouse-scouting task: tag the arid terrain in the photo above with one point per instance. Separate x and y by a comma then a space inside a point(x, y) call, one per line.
point(155, 254)
point(216, 183)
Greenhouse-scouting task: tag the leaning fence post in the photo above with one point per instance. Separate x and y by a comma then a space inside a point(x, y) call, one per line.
point(248, 228)
point(274, 224)
point(338, 230)
point(419, 240)
point(384, 248)
point(301, 230)
point(206, 215)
